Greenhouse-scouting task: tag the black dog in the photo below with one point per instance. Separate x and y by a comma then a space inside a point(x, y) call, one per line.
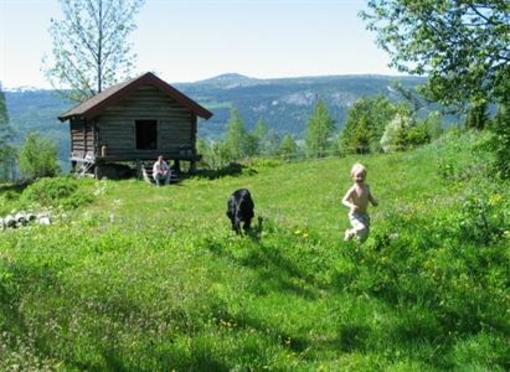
point(240, 209)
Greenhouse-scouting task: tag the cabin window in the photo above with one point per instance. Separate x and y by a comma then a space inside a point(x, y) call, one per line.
point(146, 134)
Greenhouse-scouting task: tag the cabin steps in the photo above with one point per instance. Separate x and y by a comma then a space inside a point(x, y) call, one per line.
point(86, 166)
point(147, 174)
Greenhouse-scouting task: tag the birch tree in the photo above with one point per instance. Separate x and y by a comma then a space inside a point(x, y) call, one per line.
point(91, 50)
point(7, 151)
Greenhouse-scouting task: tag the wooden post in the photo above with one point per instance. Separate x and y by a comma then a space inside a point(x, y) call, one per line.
point(85, 148)
point(98, 171)
point(177, 166)
point(139, 169)
point(192, 166)
point(193, 162)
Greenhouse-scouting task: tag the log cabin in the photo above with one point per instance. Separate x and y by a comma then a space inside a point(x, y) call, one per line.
point(134, 121)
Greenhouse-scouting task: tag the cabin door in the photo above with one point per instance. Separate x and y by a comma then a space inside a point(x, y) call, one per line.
point(146, 134)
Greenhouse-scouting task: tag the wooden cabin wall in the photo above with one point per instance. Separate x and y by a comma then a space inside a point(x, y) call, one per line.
point(117, 124)
point(90, 148)
point(82, 138)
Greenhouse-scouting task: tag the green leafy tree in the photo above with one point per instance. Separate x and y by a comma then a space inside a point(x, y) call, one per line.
point(204, 150)
point(462, 46)
point(319, 130)
point(7, 151)
point(261, 135)
point(403, 133)
point(434, 124)
point(219, 155)
point(478, 116)
point(272, 144)
point(38, 157)
point(90, 46)
point(4, 116)
point(288, 147)
point(235, 138)
point(501, 141)
point(411, 97)
point(365, 124)
point(261, 129)
point(251, 145)
point(361, 138)
point(393, 138)
point(214, 154)
point(416, 135)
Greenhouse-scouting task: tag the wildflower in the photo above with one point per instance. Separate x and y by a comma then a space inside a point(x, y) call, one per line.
point(495, 199)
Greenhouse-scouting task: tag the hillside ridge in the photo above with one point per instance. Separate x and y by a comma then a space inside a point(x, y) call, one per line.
point(284, 103)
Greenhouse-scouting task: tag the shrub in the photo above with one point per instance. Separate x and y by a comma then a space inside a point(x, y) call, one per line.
point(434, 124)
point(38, 157)
point(261, 163)
point(500, 142)
point(402, 133)
point(288, 148)
point(393, 138)
point(416, 136)
point(477, 116)
point(63, 192)
point(365, 124)
point(480, 220)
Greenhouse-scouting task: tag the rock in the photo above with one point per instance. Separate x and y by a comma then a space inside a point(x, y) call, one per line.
point(21, 219)
point(10, 221)
point(43, 219)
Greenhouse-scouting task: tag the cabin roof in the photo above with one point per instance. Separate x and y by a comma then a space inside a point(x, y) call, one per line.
point(96, 104)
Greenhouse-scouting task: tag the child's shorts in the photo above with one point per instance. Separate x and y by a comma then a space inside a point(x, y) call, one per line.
point(360, 225)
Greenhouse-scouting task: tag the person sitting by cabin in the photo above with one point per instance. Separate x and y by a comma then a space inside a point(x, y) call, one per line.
point(161, 172)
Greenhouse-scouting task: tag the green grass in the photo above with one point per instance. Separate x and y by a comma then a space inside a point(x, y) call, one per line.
point(139, 278)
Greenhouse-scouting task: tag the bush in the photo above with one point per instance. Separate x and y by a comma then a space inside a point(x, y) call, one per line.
point(480, 221)
point(402, 133)
point(38, 157)
point(500, 142)
point(365, 124)
point(393, 138)
point(288, 148)
point(261, 163)
point(416, 136)
point(434, 124)
point(63, 192)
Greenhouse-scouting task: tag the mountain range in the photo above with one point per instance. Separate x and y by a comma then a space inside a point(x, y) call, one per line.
point(285, 103)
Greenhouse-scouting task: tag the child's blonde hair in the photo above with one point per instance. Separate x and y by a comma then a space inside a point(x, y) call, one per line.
point(358, 167)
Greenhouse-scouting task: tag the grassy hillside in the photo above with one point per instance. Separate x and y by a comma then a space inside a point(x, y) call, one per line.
point(140, 278)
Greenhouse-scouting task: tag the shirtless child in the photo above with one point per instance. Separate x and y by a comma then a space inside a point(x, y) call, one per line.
point(356, 199)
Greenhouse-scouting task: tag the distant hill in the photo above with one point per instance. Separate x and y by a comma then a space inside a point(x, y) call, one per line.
point(285, 104)
point(37, 110)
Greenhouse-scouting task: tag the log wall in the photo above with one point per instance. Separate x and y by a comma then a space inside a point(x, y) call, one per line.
point(116, 125)
point(82, 138)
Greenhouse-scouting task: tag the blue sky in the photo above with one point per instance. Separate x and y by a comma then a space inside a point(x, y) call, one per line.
point(189, 40)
